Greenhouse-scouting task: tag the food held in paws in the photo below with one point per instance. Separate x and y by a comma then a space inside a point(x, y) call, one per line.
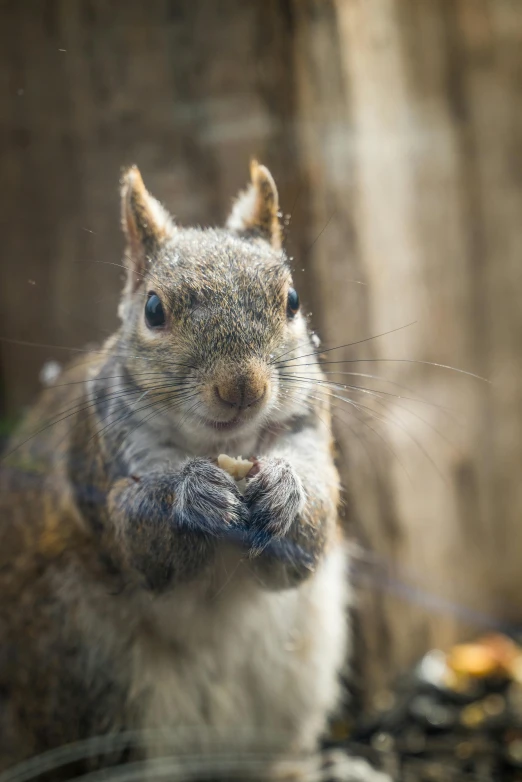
point(238, 468)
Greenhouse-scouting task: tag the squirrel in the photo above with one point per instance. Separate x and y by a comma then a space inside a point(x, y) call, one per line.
point(142, 593)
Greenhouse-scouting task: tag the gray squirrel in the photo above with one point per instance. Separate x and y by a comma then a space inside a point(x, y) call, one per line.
point(141, 591)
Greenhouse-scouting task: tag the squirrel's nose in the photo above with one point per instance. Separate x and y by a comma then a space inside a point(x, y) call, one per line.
point(240, 394)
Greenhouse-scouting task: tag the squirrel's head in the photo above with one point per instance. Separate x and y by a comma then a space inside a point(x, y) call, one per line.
point(212, 330)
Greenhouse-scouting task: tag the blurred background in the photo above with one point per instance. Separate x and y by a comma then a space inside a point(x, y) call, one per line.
point(393, 130)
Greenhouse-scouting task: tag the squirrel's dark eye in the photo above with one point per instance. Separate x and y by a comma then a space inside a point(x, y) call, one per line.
point(154, 314)
point(292, 303)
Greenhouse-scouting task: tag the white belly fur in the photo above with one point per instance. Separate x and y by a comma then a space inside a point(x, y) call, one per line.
point(246, 669)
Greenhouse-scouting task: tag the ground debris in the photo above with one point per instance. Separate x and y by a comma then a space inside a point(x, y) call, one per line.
point(456, 716)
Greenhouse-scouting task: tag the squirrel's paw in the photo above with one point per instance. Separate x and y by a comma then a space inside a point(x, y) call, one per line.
point(206, 498)
point(274, 497)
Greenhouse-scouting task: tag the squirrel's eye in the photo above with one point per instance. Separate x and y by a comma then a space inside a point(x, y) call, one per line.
point(154, 314)
point(292, 302)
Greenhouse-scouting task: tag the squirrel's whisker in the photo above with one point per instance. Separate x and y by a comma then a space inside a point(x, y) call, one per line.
point(381, 401)
point(114, 377)
point(276, 359)
point(26, 343)
point(378, 434)
point(71, 411)
point(320, 351)
point(336, 417)
point(181, 397)
point(109, 395)
point(391, 360)
point(184, 417)
point(423, 420)
point(365, 441)
point(337, 372)
point(308, 407)
point(363, 389)
point(170, 405)
point(162, 393)
point(389, 420)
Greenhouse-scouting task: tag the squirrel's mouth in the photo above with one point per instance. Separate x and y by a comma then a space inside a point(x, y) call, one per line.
point(225, 426)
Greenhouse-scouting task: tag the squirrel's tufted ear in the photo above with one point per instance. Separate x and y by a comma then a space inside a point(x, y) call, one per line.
point(256, 209)
point(145, 222)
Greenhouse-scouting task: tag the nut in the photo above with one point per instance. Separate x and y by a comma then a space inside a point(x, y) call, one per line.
point(237, 468)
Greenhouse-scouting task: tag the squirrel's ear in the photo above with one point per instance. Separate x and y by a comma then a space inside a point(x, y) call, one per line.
point(256, 209)
point(145, 222)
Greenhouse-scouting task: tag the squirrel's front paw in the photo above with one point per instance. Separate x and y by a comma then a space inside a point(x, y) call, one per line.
point(167, 521)
point(274, 497)
point(206, 498)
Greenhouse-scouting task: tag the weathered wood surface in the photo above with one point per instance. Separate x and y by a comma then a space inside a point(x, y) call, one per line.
point(393, 128)
point(435, 94)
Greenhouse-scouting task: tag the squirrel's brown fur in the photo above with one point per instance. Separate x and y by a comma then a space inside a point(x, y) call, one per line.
point(139, 588)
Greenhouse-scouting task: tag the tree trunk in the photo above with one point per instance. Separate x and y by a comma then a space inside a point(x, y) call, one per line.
point(420, 173)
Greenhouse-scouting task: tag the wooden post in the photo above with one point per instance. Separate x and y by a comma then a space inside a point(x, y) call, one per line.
point(419, 163)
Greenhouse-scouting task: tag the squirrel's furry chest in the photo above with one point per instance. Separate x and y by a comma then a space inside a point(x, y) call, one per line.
point(241, 667)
